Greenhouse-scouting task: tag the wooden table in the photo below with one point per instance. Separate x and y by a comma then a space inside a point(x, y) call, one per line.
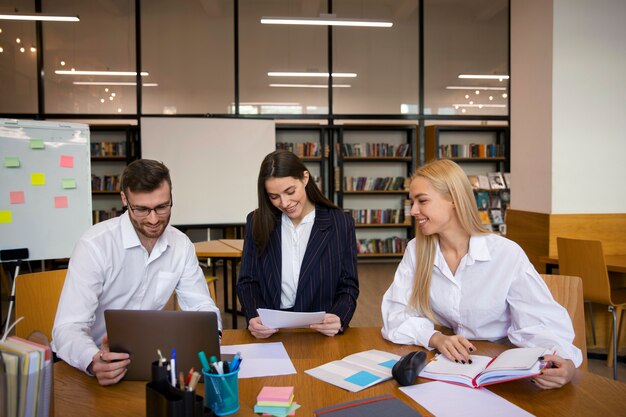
point(588, 395)
point(220, 250)
point(614, 263)
point(234, 243)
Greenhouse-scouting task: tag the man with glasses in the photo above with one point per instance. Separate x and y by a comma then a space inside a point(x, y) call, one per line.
point(134, 261)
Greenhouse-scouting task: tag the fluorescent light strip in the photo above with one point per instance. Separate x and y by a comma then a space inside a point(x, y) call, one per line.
point(40, 16)
point(268, 104)
point(113, 83)
point(115, 73)
point(311, 74)
point(484, 77)
point(325, 21)
point(458, 87)
point(311, 85)
point(478, 105)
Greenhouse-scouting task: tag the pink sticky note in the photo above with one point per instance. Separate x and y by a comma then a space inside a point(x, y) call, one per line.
point(60, 202)
point(67, 161)
point(17, 197)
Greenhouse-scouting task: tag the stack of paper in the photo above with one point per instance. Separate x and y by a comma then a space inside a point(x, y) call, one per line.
point(28, 374)
point(276, 401)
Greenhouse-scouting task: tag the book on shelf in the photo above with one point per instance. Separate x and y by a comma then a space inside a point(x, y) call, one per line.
point(390, 245)
point(374, 183)
point(471, 150)
point(105, 183)
point(378, 216)
point(301, 149)
point(510, 365)
point(483, 182)
point(484, 217)
point(375, 150)
point(496, 217)
point(496, 180)
point(473, 180)
point(505, 197)
point(495, 202)
point(383, 405)
point(507, 179)
point(482, 200)
point(357, 371)
point(106, 149)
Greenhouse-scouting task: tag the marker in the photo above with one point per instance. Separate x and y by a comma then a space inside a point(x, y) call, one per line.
point(161, 358)
point(189, 375)
point(205, 363)
point(234, 364)
point(181, 381)
point(173, 368)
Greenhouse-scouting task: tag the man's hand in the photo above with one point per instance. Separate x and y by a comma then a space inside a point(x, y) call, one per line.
point(108, 367)
point(456, 348)
point(258, 330)
point(330, 326)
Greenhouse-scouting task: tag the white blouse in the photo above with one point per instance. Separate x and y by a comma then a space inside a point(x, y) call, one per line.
point(294, 240)
point(495, 293)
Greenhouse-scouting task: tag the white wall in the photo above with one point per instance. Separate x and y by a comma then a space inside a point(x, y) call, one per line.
point(589, 107)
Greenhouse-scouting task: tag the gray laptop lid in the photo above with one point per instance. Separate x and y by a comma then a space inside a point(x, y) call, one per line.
point(142, 332)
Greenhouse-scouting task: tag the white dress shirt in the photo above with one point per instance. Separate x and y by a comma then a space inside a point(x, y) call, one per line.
point(110, 269)
point(495, 293)
point(294, 240)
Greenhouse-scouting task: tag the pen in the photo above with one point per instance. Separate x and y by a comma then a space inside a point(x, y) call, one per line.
point(189, 375)
point(194, 381)
point(173, 368)
point(205, 363)
point(181, 381)
point(161, 358)
point(234, 364)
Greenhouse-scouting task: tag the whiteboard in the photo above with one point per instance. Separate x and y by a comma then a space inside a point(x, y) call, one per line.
point(214, 164)
point(45, 178)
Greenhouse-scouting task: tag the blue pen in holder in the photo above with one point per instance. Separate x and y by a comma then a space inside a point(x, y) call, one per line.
point(221, 392)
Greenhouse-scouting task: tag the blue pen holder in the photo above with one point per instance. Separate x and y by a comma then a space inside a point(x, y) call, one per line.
point(221, 392)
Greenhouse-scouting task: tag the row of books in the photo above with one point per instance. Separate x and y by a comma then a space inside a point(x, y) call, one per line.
point(491, 181)
point(374, 183)
point(302, 149)
point(472, 150)
point(106, 183)
point(493, 216)
point(391, 245)
point(375, 149)
point(486, 200)
point(99, 149)
point(102, 215)
point(378, 216)
point(26, 372)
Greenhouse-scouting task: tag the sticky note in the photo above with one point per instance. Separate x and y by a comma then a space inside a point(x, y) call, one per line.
point(67, 161)
point(16, 197)
point(37, 144)
point(68, 183)
point(38, 178)
point(60, 202)
point(11, 162)
point(6, 216)
point(388, 364)
point(362, 378)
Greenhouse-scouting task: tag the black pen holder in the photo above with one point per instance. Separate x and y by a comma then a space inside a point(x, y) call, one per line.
point(164, 400)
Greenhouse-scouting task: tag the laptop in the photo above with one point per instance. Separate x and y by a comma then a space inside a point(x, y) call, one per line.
point(141, 332)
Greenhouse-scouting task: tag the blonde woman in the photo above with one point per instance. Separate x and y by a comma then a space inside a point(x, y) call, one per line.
point(482, 286)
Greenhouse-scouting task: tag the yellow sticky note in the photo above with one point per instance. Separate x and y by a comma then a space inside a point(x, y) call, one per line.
point(38, 178)
point(6, 216)
point(68, 183)
point(37, 144)
point(11, 162)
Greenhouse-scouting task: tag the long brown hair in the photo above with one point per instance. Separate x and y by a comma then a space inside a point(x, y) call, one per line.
point(451, 182)
point(279, 164)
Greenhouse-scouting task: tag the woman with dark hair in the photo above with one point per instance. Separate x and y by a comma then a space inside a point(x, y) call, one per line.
point(299, 250)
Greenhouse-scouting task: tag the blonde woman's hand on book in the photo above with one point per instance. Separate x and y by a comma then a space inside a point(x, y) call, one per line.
point(456, 348)
point(330, 326)
point(108, 367)
point(259, 330)
point(558, 372)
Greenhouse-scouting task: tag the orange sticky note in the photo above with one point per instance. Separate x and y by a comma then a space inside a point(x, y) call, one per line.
point(67, 161)
point(60, 202)
point(38, 178)
point(6, 216)
point(16, 197)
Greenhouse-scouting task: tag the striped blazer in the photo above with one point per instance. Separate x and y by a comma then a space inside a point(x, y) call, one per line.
point(328, 276)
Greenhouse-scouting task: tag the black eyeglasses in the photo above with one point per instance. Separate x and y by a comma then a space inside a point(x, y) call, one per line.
point(161, 210)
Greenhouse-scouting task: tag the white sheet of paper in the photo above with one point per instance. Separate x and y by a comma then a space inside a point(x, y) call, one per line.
point(277, 319)
point(468, 402)
point(262, 359)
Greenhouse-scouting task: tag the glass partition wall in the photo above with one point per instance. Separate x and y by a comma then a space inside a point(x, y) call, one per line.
point(441, 60)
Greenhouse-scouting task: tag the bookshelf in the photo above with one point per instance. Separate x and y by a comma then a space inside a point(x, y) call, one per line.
point(480, 151)
point(112, 148)
point(310, 143)
point(373, 165)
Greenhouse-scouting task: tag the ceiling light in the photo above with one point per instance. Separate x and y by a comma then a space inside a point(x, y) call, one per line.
point(471, 102)
point(44, 17)
point(112, 94)
point(466, 95)
point(326, 20)
point(22, 49)
point(119, 110)
point(463, 87)
point(112, 83)
point(504, 95)
point(18, 40)
point(311, 74)
point(267, 104)
point(1, 49)
point(101, 100)
point(120, 73)
point(111, 98)
point(33, 49)
point(490, 97)
point(106, 90)
point(62, 63)
point(477, 92)
point(478, 105)
point(484, 77)
point(311, 85)
point(463, 110)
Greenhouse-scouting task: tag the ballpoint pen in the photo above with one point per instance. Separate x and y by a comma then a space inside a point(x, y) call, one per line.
point(173, 368)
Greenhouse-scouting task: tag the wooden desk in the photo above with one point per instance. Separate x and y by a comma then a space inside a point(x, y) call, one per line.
point(614, 263)
point(77, 394)
point(234, 243)
point(218, 249)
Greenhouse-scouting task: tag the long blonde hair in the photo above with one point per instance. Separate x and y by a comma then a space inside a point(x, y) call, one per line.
point(448, 179)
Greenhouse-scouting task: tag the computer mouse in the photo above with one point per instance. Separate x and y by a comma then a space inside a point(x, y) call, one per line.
point(408, 367)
